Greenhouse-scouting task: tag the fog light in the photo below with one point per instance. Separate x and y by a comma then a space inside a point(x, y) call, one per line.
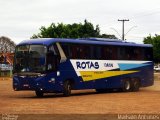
point(41, 75)
point(52, 80)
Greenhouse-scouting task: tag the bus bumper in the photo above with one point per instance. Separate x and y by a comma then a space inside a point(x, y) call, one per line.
point(39, 84)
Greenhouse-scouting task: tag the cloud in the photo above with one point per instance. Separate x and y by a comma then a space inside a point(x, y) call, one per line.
point(20, 19)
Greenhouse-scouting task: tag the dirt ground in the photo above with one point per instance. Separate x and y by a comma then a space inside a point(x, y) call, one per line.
point(146, 101)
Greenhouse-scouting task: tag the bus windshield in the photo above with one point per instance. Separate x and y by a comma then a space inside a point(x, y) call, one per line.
point(30, 58)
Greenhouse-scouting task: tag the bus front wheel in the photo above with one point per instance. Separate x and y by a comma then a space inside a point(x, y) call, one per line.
point(67, 88)
point(39, 94)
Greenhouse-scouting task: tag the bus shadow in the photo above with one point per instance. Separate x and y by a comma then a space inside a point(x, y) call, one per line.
point(77, 94)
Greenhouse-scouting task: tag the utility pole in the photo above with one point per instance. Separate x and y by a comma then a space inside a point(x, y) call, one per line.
point(123, 20)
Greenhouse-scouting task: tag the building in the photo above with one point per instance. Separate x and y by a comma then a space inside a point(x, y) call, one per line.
point(7, 47)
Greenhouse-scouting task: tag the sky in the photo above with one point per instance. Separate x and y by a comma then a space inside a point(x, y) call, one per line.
point(20, 19)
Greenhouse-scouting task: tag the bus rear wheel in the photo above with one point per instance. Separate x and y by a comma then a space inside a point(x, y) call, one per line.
point(135, 85)
point(67, 88)
point(126, 85)
point(39, 94)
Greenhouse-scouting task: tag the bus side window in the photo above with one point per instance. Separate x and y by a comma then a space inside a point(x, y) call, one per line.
point(148, 54)
point(66, 49)
point(53, 48)
point(114, 53)
point(53, 58)
point(98, 53)
point(129, 51)
point(85, 52)
point(108, 52)
point(138, 54)
point(80, 52)
point(74, 51)
point(52, 62)
point(104, 53)
point(121, 53)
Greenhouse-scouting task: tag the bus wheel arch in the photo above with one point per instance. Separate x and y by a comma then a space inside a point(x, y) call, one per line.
point(39, 94)
point(68, 85)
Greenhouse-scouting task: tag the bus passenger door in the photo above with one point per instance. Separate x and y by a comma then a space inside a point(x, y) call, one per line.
point(51, 69)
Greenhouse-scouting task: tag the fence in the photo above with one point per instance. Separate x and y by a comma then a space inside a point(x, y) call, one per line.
point(5, 73)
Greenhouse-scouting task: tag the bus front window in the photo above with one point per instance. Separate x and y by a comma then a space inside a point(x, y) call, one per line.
point(30, 58)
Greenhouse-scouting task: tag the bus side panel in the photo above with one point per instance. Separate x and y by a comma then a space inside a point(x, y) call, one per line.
point(112, 82)
point(51, 83)
point(67, 72)
point(144, 74)
point(147, 75)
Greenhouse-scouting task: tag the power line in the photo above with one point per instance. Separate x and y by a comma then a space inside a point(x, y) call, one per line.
point(123, 20)
point(116, 32)
point(130, 30)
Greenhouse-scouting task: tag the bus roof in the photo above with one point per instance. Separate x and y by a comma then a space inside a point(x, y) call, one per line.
point(96, 41)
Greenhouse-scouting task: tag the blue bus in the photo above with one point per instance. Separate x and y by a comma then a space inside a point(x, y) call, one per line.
point(54, 65)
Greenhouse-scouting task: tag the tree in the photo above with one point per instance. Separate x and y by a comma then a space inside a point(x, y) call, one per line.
point(155, 41)
point(1, 59)
point(74, 30)
point(108, 36)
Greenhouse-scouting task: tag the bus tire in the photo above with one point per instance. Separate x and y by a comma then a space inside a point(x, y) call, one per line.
point(135, 85)
point(126, 85)
point(39, 94)
point(67, 88)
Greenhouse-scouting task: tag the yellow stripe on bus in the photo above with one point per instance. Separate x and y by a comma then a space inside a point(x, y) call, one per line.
point(92, 75)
